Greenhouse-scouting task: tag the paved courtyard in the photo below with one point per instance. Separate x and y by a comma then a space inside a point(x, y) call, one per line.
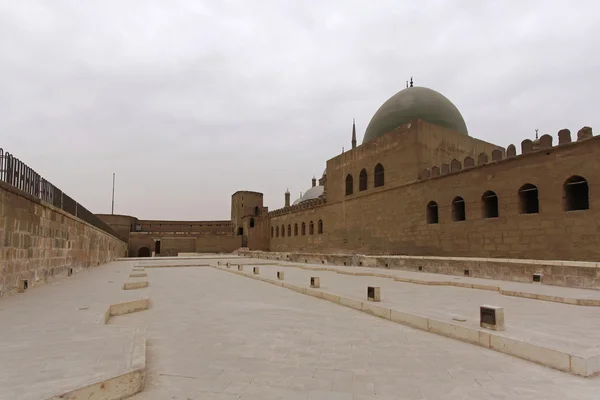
point(216, 335)
point(212, 334)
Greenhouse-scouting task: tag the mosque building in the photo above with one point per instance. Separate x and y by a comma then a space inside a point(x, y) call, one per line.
point(418, 184)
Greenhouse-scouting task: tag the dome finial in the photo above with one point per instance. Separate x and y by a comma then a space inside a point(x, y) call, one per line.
point(536, 133)
point(411, 81)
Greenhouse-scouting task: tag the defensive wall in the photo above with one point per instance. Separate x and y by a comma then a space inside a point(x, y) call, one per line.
point(40, 242)
point(169, 238)
point(399, 220)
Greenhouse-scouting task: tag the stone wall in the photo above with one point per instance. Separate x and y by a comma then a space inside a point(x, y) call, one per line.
point(40, 241)
point(171, 244)
point(393, 220)
point(560, 273)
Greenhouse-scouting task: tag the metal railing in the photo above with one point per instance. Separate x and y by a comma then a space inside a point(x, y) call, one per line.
point(17, 174)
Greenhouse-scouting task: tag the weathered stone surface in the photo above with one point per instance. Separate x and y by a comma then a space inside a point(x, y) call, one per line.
point(42, 242)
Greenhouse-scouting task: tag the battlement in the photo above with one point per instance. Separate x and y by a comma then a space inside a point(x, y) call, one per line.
point(544, 143)
point(305, 205)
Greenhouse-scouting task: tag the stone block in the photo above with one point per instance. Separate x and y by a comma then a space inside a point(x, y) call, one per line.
point(491, 317)
point(128, 307)
point(330, 297)
point(138, 275)
point(357, 305)
point(373, 293)
point(376, 310)
point(240, 267)
point(465, 334)
point(23, 285)
point(255, 270)
point(315, 282)
point(280, 275)
point(531, 352)
point(414, 321)
point(135, 285)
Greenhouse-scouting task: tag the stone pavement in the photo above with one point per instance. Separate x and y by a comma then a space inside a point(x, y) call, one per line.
point(557, 326)
point(216, 335)
point(51, 338)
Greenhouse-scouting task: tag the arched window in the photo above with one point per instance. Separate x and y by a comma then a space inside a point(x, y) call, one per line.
point(256, 211)
point(489, 205)
point(277, 231)
point(289, 230)
point(349, 185)
point(576, 194)
point(432, 213)
point(458, 209)
point(303, 229)
point(320, 227)
point(379, 175)
point(282, 230)
point(295, 229)
point(363, 180)
point(311, 228)
point(272, 231)
point(528, 199)
point(251, 222)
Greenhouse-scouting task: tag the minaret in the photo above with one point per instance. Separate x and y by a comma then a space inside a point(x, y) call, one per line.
point(287, 198)
point(353, 135)
point(314, 181)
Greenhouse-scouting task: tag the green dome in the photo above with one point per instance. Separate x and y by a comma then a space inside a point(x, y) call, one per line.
point(412, 103)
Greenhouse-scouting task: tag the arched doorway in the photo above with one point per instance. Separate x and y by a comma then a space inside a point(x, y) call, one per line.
point(144, 252)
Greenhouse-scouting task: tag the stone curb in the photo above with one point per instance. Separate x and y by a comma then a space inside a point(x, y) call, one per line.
point(138, 275)
point(581, 364)
point(512, 293)
point(120, 386)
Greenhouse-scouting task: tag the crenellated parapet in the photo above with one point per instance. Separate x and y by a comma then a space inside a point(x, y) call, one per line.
point(528, 146)
point(305, 205)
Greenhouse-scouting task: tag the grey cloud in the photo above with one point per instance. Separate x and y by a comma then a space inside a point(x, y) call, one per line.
point(189, 101)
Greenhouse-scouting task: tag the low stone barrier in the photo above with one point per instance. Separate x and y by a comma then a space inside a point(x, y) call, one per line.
point(576, 274)
point(583, 363)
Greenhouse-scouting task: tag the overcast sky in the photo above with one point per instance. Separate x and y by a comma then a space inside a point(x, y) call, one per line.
point(188, 101)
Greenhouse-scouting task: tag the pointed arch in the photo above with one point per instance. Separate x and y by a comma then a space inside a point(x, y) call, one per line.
point(363, 180)
point(349, 185)
point(379, 175)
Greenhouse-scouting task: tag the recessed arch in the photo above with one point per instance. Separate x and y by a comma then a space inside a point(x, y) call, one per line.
point(576, 194)
point(363, 180)
point(458, 209)
point(296, 229)
point(277, 231)
point(289, 233)
point(379, 176)
point(282, 230)
point(432, 213)
point(311, 228)
point(303, 229)
point(272, 232)
point(251, 222)
point(349, 185)
point(489, 204)
point(144, 252)
point(528, 199)
point(320, 227)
